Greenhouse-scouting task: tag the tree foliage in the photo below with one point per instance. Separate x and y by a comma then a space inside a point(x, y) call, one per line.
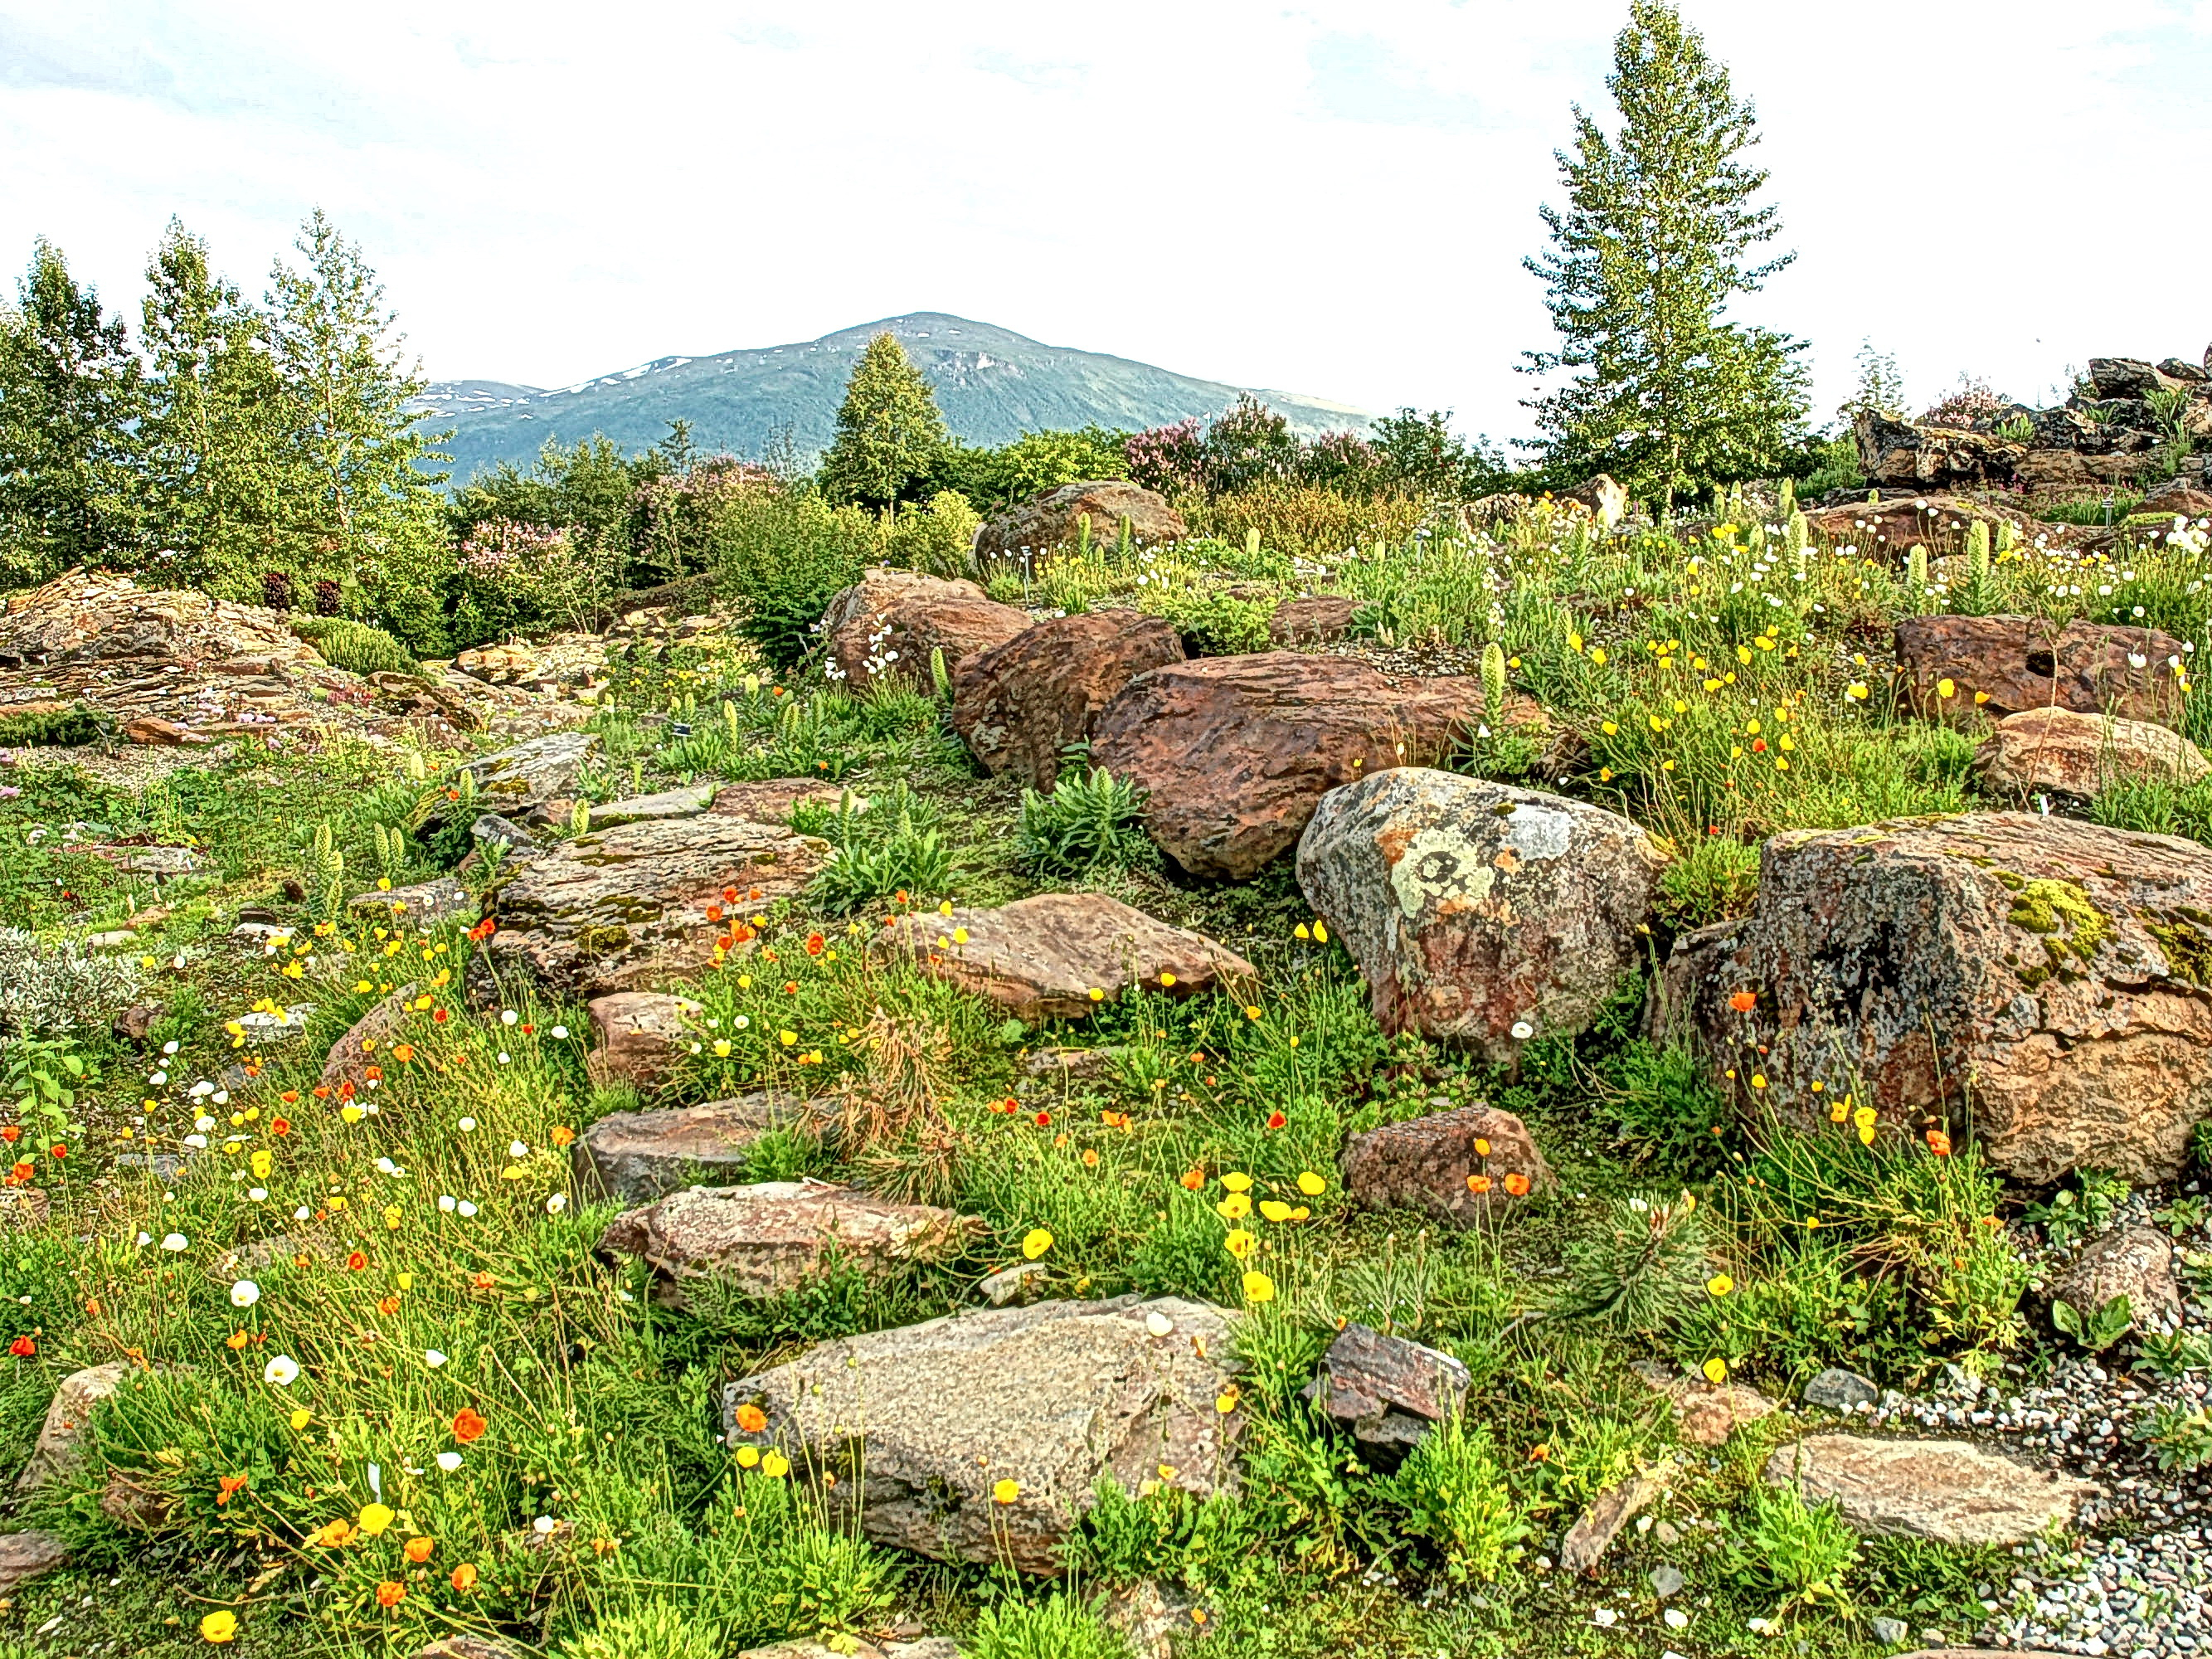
point(1663, 391)
point(889, 430)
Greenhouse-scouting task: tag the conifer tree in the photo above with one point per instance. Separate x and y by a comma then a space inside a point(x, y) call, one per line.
point(889, 430)
point(214, 432)
point(70, 396)
point(1665, 393)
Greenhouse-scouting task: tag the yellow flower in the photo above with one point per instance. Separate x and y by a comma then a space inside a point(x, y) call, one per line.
point(1274, 1209)
point(1609, 729)
point(775, 1465)
point(1097, 995)
point(1865, 1116)
point(960, 936)
point(373, 1519)
point(788, 1038)
point(1237, 1181)
point(1258, 1287)
point(1858, 691)
point(1311, 1184)
point(747, 1457)
point(1720, 1284)
point(1239, 1243)
point(1225, 1402)
point(1035, 1243)
point(221, 1625)
point(1167, 979)
point(1004, 1491)
point(1235, 1208)
point(262, 1161)
point(1715, 1370)
point(299, 1419)
point(1320, 931)
point(1945, 687)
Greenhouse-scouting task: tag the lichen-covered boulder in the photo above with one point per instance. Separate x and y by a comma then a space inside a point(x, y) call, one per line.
point(2056, 749)
point(1017, 706)
point(634, 1158)
point(2135, 1262)
point(1458, 1165)
point(1479, 912)
point(2045, 980)
point(887, 625)
point(639, 1036)
point(518, 781)
point(920, 1425)
point(1236, 752)
point(1955, 666)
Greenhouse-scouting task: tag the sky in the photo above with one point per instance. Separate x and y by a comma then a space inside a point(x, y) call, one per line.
point(1334, 198)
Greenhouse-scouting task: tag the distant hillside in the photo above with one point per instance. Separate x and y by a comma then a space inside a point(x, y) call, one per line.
point(993, 385)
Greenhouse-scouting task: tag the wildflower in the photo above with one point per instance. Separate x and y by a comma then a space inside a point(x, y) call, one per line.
point(1478, 1184)
point(299, 1419)
point(1715, 1370)
point(464, 1578)
point(1311, 1184)
point(1518, 1184)
point(1523, 1031)
point(22, 1347)
point(173, 1241)
point(374, 1519)
point(418, 1550)
point(221, 1625)
point(1235, 1208)
point(468, 1425)
point(751, 1418)
point(227, 1486)
point(355, 1261)
point(448, 1461)
point(1744, 1001)
point(332, 1534)
point(1237, 1181)
point(245, 1293)
point(1720, 1285)
point(282, 1371)
point(433, 1358)
point(1225, 1402)
point(1005, 1492)
point(775, 1465)
point(1939, 1142)
point(1276, 1120)
point(1274, 1209)
point(1035, 1243)
point(1194, 1178)
point(391, 1594)
point(1239, 1243)
point(1258, 1287)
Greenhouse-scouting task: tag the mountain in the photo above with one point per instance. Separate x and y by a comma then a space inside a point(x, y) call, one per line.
point(993, 384)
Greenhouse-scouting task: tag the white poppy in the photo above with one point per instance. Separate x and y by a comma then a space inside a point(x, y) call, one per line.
point(245, 1293)
point(282, 1371)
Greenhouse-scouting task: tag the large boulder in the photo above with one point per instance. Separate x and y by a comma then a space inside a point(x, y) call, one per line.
point(1316, 619)
point(1457, 1166)
point(2084, 755)
point(369, 1040)
point(1059, 954)
point(773, 800)
point(2129, 377)
point(1899, 455)
point(617, 909)
point(530, 776)
point(1237, 751)
point(1949, 1491)
point(1889, 529)
point(1019, 704)
point(633, 1158)
point(1479, 912)
point(777, 1236)
point(2044, 978)
point(61, 1442)
point(2002, 665)
point(887, 625)
point(2057, 469)
point(920, 1425)
point(1051, 522)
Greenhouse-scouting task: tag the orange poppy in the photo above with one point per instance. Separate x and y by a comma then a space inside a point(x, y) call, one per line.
point(1518, 1184)
point(282, 1126)
point(1193, 1177)
point(467, 1426)
point(1939, 1142)
point(751, 1418)
point(1743, 1001)
point(11, 1134)
point(227, 1486)
point(563, 1135)
point(465, 1577)
point(1478, 1184)
point(391, 1594)
point(418, 1550)
point(355, 1262)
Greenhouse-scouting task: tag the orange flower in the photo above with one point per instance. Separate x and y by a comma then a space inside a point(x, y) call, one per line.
point(1478, 1184)
point(391, 1594)
point(1540, 1454)
point(814, 943)
point(1939, 1142)
point(751, 1418)
point(465, 1577)
point(418, 1550)
point(388, 1306)
point(282, 1126)
point(1193, 1177)
point(563, 1135)
point(58, 1151)
point(403, 1052)
point(1743, 1001)
point(290, 1097)
point(1276, 1120)
point(467, 1426)
point(437, 1016)
point(714, 913)
point(227, 1486)
point(355, 1262)
point(332, 1534)
point(1518, 1184)
point(374, 1073)
point(11, 1134)
point(22, 1347)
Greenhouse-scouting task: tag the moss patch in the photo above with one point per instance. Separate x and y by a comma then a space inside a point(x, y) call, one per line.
point(2062, 913)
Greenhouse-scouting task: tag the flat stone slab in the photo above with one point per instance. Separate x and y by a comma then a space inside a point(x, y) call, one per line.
point(1951, 1491)
point(773, 800)
point(647, 809)
point(25, 1555)
point(634, 1158)
point(516, 781)
point(1044, 957)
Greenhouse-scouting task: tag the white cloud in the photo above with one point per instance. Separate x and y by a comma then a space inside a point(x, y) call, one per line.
point(1334, 198)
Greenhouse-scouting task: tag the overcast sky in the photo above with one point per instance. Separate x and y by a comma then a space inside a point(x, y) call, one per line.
point(1333, 198)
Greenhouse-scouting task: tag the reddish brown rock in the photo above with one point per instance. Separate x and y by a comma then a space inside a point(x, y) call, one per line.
point(2048, 982)
point(776, 1236)
point(1889, 530)
point(639, 1036)
point(2056, 749)
point(368, 1044)
point(773, 800)
point(1479, 912)
point(1317, 619)
point(2055, 470)
point(1237, 751)
point(634, 1158)
point(887, 625)
point(1387, 1392)
point(1019, 704)
point(69, 1416)
point(2002, 665)
point(1899, 455)
point(1705, 1413)
point(25, 1555)
point(1050, 522)
point(1950, 1491)
point(1436, 1163)
point(152, 730)
point(1043, 957)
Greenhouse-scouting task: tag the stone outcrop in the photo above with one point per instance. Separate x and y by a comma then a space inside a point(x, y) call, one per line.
point(773, 800)
point(1899, 455)
point(685, 803)
point(1058, 956)
point(2002, 666)
point(1049, 523)
point(776, 1236)
point(1479, 912)
point(517, 782)
point(1316, 619)
point(367, 1043)
point(25, 1555)
point(1019, 705)
point(885, 626)
point(68, 1414)
point(1949, 1491)
point(2059, 750)
point(421, 905)
point(1707, 1412)
point(1594, 1531)
point(2043, 978)
point(2135, 1263)
point(639, 1036)
point(633, 1158)
point(1457, 1166)
point(1386, 1392)
point(1236, 752)
point(617, 909)
point(1889, 529)
point(921, 1424)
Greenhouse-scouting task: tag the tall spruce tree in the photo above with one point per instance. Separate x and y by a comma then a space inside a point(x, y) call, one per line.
point(70, 400)
point(214, 436)
point(889, 433)
point(1665, 393)
point(363, 499)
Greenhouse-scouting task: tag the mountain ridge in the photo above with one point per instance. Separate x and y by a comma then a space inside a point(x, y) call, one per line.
point(991, 384)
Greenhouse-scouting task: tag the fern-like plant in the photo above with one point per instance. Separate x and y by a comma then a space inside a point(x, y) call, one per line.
point(1089, 822)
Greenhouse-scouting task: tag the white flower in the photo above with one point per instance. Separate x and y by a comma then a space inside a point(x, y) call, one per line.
point(466, 1209)
point(446, 1202)
point(158, 1078)
point(197, 1142)
point(517, 1149)
point(508, 1015)
point(173, 1241)
point(433, 1358)
point(1523, 1031)
point(204, 1124)
point(449, 1461)
point(505, 1058)
point(386, 1166)
point(201, 1090)
point(245, 1293)
point(259, 1195)
point(742, 1022)
point(558, 1203)
point(544, 1525)
point(144, 1239)
point(559, 1030)
point(467, 1125)
point(282, 1371)
point(301, 1213)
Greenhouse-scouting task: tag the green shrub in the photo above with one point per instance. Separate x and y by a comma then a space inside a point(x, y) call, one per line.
point(1663, 1101)
point(1034, 463)
point(1777, 1545)
point(1088, 821)
point(2094, 510)
point(354, 647)
point(781, 557)
point(1452, 1489)
point(1059, 1628)
point(895, 845)
point(658, 1629)
point(60, 728)
point(937, 539)
point(1219, 624)
point(1716, 877)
